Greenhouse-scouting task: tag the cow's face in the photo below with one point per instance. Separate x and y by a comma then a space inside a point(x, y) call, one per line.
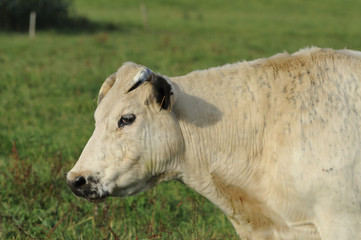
point(136, 138)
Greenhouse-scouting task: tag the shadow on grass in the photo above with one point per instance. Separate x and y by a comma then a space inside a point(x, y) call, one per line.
point(82, 24)
point(76, 25)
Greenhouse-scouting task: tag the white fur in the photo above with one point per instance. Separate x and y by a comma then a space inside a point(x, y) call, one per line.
point(274, 143)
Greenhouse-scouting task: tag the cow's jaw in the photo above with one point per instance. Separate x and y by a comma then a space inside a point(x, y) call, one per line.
point(135, 187)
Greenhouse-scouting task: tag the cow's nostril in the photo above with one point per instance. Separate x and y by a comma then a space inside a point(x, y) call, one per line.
point(80, 181)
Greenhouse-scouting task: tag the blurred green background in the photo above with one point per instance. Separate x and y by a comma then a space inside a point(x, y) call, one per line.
point(49, 85)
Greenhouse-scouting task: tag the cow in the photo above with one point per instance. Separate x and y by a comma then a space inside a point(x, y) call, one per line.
point(274, 143)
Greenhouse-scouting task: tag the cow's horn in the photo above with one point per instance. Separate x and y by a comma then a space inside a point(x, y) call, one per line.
point(106, 86)
point(140, 78)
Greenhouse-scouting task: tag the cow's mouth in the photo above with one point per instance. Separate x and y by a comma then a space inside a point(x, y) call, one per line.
point(93, 195)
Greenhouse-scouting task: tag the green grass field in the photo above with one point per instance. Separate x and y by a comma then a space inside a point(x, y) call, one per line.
point(49, 85)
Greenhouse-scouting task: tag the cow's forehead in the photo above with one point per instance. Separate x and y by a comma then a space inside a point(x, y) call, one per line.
point(117, 96)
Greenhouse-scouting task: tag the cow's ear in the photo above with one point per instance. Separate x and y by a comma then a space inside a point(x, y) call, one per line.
point(163, 92)
point(106, 86)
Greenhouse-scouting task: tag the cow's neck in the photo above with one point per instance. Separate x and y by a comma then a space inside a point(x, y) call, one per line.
point(223, 126)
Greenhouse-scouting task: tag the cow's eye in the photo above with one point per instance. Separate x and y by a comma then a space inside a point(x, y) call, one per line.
point(126, 119)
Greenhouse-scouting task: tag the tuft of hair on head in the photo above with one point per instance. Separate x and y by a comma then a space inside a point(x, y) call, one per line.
point(143, 76)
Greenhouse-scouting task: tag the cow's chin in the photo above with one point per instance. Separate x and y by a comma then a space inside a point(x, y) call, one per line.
point(97, 200)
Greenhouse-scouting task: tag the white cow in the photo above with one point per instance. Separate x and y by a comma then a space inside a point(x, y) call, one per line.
point(274, 143)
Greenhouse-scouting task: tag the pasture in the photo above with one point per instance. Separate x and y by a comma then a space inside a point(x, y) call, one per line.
point(49, 85)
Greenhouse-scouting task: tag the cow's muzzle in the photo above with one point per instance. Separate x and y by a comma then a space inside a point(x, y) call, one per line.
point(86, 188)
point(77, 185)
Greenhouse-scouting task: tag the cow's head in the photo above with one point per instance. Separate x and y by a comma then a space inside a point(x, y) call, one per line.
point(136, 139)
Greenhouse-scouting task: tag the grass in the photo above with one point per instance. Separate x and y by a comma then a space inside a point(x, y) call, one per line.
point(48, 88)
